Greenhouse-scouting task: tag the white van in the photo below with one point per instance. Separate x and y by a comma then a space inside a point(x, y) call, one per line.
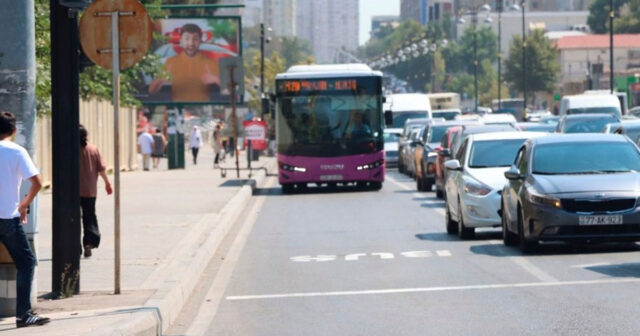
point(408, 106)
point(591, 103)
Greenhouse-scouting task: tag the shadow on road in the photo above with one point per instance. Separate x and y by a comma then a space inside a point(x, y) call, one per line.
point(234, 183)
point(437, 237)
point(277, 191)
point(626, 270)
point(547, 249)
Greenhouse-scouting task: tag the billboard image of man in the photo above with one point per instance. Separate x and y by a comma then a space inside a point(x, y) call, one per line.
point(194, 75)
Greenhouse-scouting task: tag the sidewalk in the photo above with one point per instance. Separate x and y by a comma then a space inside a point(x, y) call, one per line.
point(171, 223)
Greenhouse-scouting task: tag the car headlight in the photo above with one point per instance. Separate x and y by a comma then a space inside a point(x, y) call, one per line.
point(475, 187)
point(291, 168)
point(371, 165)
point(544, 200)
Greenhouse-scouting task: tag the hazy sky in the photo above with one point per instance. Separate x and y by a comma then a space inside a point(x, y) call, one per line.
point(369, 8)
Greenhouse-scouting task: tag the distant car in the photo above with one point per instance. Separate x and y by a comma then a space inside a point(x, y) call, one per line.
point(476, 180)
point(551, 120)
point(537, 115)
point(590, 103)
point(467, 117)
point(449, 114)
point(575, 187)
point(391, 136)
point(444, 155)
point(404, 141)
point(630, 128)
point(408, 155)
point(536, 127)
point(498, 119)
point(585, 123)
point(476, 129)
point(635, 111)
point(483, 110)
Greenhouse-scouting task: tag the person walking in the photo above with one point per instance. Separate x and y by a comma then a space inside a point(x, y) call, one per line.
point(216, 143)
point(159, 147)
point(145, 147)
point(16, 166)
point(195, 142)
point(91, 166)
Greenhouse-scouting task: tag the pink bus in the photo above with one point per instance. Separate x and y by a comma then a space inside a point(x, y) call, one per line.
point(329, 127)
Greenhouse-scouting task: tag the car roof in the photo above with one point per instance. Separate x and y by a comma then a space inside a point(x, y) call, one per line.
point(457, 123)
point(475, 129)
point(589, 116)
point(506, 135)
point(393, 130)
point(579, 137)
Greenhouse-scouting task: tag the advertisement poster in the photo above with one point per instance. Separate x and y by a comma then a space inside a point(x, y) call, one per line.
point(256, 131)
point(190, 50)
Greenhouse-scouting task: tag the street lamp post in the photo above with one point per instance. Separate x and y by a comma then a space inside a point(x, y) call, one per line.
point(475, 58)
point(611, 17)
point(524, 58)
point(262, 61)
point(500, 6)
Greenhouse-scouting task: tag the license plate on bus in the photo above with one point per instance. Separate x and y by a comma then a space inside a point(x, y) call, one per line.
point(330, 177)
point(600, 220)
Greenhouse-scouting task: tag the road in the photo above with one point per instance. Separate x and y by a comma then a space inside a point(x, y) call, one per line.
point(381, 263)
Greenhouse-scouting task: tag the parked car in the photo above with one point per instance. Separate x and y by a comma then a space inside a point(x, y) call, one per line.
point(576, 187)
point(585, 123)
point(403, 141)
point(448, 114)
point(536, 127)
point(391, 136)
point(476, 179)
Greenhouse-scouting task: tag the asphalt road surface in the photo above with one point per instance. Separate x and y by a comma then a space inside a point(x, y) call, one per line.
point(381, 263)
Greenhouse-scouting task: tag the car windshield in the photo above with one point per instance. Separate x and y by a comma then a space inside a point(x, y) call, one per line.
point(436, 133)
point(391, 137)
point(589, 110)
point(494, 153)
point(579, 158)
point(447, 115)
point(590, 125)
point(399, 118)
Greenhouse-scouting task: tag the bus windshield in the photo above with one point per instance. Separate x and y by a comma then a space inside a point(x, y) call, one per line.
point(329, 125)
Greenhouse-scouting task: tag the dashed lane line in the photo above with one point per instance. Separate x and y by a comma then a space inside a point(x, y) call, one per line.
point(434, 289)
point(416, 194)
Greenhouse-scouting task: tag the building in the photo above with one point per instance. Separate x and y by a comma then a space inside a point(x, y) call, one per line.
point(331, 26)
point(380, 21)
point(280, 15)
point(587, 56)
point(252, 13)
point(416, 10)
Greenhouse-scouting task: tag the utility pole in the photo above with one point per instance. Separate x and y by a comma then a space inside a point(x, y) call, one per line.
point(66, 247)
point(611, 17)
point(500, 5)
point(475, 57)
point(17, 95)
point(524, 58)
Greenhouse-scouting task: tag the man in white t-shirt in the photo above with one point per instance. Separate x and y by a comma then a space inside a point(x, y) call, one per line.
point(145, 146)
point(16, 166)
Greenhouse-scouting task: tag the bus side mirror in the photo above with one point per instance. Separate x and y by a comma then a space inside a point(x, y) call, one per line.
point(388, 118)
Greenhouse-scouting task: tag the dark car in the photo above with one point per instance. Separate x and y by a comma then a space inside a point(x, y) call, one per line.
point(574, 187)
point(404, 141)
point(585, 123)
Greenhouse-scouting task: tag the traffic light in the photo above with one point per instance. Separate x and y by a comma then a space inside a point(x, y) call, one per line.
point(80, 4)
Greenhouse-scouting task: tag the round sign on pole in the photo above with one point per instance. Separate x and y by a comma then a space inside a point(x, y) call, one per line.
point(135, 32)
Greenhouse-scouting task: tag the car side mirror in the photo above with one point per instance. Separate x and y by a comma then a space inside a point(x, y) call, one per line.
point(453, 165)
point(445, 152)
point(414, 143)
point(513, 174)
point(388, 118)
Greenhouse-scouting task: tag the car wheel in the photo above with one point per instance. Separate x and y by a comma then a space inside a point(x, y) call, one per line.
point(427, 185)
point(463, 231)
point(375, 186)
point(419, 184)
point(525, 245)
point(439, 193)
point(452, 226)
point(509, 238)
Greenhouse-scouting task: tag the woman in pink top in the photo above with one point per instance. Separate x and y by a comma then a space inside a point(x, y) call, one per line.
point(91, 166)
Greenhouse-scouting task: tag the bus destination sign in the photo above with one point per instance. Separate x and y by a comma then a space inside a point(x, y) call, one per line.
point(295, 86)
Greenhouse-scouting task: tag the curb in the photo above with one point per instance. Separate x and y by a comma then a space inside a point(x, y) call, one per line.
point(183, 272)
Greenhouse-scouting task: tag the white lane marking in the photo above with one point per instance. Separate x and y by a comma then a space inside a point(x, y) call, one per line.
point(417, 195)
point(319, 258)
point(209, 307)
point(443, 253)
point(434, 289)
point(396, 182)
point(383, 255)
point(525, 264)
point(354, 256)
point(591, 265)
point(417, 254)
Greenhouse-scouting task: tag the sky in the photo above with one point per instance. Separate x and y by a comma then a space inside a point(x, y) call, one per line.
point(370, 8)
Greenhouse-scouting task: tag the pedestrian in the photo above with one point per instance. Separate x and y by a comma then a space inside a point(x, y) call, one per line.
point(159, 147)
point(16, 166)
point(145, 147)
point(195, 142)
point(216, 143)
point(91, 166)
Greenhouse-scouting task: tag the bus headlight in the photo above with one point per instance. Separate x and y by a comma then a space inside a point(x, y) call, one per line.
point(291, 168)
point(372, 165)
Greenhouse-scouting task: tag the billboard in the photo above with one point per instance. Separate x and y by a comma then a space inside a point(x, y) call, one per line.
point(191, 50)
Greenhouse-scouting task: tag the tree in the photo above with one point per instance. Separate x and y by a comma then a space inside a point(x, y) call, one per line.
point(629, 22)
point(598, 19)
point(272, 66)
point(542, 65)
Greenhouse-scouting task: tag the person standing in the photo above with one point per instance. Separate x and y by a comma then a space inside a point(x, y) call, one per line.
point(145, 147)
point(91, 166)
point(216, 143)
point(159, 147)
point(195, 142)
point(16, 166)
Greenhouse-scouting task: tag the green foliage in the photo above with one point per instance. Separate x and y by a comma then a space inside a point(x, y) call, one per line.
point(542, 65)
point(629, 23)
point(43, 58)
point(272, 66)
point(460, 54)
point(598, 19)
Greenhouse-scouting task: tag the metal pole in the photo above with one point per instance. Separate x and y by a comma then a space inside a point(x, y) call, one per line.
point(115, 56)
point(261, 60)
point(475, 58)
point(524, 59)
point(234, 118)
point(611, 17)
point(500, 56)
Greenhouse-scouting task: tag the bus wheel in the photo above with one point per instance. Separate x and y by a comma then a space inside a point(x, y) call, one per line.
point(375, 185)
point(287, 188)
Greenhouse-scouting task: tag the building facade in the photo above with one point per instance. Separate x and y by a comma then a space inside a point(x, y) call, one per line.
point(252, 13)
point(280, 15)
point(331, 26)
point(416, 10)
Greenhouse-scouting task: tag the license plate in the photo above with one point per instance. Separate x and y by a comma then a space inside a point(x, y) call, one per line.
point(600, 220)
point(330, 177)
